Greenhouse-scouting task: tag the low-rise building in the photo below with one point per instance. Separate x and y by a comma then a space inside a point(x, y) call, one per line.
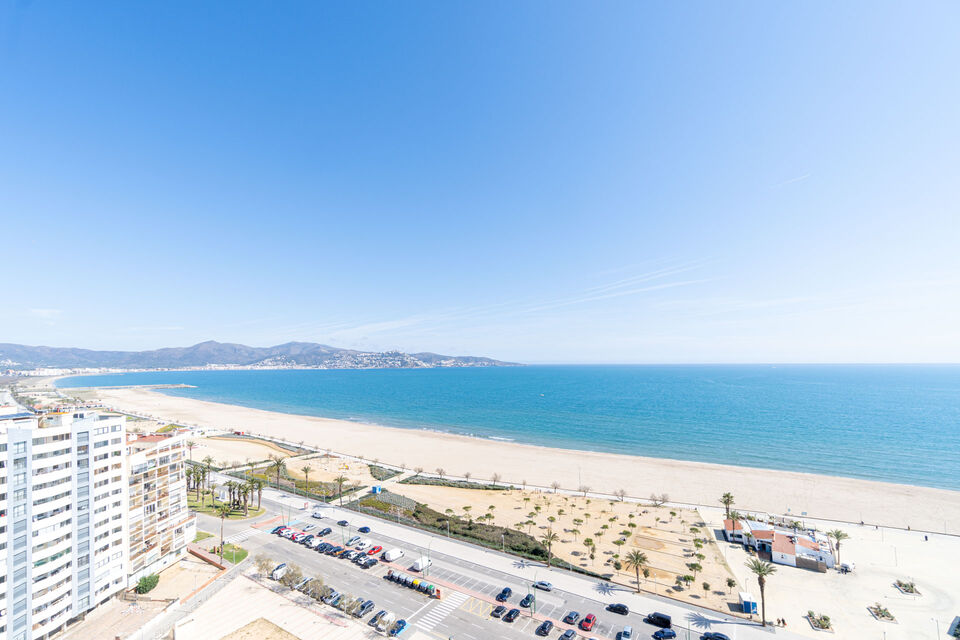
point(160, 523)
point(807, 549)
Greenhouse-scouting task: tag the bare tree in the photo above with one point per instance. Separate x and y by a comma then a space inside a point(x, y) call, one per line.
point(441, 472)
point(555, 485)
point(418, 470)
point(620, 493)
point(584, 489)
point(496, 478)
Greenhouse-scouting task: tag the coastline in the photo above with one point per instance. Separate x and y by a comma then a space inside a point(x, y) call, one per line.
point(820, 496)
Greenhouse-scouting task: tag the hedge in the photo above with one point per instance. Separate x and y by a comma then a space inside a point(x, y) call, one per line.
point(147, 583)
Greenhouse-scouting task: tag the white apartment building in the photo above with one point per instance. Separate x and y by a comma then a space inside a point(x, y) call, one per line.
point(63, 519)
point(161, 524)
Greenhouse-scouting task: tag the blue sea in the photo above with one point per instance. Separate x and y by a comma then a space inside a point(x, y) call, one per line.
point(896, 423)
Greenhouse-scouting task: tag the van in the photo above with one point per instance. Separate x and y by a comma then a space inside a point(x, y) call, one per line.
point(279, 571)
point(392, 555)
point(422, 564)
point(661, 620)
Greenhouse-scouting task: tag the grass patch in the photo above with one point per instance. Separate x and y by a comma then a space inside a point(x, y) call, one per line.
point(168, 428)
point(458, 484)
point(231, 553)
point(202, 535)
point(208, 507)
point(382, 473)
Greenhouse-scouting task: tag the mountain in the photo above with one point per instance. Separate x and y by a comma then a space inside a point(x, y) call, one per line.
point(291, 354)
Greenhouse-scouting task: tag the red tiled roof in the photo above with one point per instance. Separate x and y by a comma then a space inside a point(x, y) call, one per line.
point(763, 535)
point(809, 544)
point(782, 544)
point(732, 525)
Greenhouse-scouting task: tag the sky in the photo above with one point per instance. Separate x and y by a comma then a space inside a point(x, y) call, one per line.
point(544, 182)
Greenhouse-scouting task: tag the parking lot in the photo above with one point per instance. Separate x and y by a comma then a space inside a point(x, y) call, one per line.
point(469, 590)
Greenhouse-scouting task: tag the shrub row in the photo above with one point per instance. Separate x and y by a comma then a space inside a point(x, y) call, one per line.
point(459, 484)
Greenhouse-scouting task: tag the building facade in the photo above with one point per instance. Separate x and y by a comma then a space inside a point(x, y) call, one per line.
point(160, 523)
point(63, 519)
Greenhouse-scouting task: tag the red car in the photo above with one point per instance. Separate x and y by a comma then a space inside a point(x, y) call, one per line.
point(587, 623)
point(374, 550)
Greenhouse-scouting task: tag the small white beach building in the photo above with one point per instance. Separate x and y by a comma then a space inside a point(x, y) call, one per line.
point(806, 549)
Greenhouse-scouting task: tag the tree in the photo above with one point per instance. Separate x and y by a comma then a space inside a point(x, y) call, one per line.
point(727, 501)
point(190, 445)
point(441, 472)
point(696, 567)
point(246, 489)
point(496, 478)
point(839, 536)
point(264, 564)
point(731, 583)
point(293, 575)
point(584, 489)
point(588, 543)
point(762, 570)
point(258, 485)
point(306, 469)
point(636, 560)
point(222, 511)
point(706, 587)
point(575, 533)
point(621, 494)
point(548, 539)
point(554, 485)
point(340, 480)
point(466, 475)
point(277, 465)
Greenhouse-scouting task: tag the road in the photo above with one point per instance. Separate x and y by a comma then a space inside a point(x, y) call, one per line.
point(470, 578)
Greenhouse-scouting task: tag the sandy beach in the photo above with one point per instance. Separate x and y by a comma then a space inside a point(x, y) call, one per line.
point(824, 497)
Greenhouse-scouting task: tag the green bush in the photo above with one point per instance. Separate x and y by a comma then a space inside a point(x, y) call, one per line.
point(458, 484)
point(147, 583)
point(382, 473)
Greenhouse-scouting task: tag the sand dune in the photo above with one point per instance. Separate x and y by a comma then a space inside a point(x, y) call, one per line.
point(825, 497)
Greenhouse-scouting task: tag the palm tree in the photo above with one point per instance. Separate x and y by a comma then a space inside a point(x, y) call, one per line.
point(208, 463)
point(761, 569)
point(190, 445)
point(575, 533)
point(636, 560)
point(247, 489)
point(340, 480)
point(189, 476)
point(548, 539)
point(306, 476)
point(496, 478)
point(838, 535)
point(223, 511)
point(727, 501)
point(258, 485)
point(277, 465)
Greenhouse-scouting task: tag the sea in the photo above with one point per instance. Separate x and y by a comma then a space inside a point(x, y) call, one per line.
point(894, 423)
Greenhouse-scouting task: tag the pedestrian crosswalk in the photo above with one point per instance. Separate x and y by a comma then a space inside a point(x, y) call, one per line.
point(243, 535)
point(436, 614)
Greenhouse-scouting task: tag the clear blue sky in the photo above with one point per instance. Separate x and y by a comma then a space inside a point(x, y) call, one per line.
point(534, 181)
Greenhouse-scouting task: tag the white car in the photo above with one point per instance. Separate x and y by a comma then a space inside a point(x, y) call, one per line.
point(363, 544)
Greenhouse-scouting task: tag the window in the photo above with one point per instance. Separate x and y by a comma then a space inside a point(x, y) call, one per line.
point(19, 479)
point(19, 463)
point(20, 495)
point(19, 511)
point(19, 447)
point(83, 437)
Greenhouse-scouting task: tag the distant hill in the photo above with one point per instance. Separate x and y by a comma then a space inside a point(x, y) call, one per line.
point(291, 354)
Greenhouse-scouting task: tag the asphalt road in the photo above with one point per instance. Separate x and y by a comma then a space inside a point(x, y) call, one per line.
point(463, 613)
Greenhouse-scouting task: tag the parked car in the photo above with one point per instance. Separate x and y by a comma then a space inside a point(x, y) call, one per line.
point(363, 545)
point(317, 515)
point(543, 585)
point(512, 615)
point(352, 541)
point(369, 562)
point(332, 598)
point(665, 634)
point(659, 620)
point(277, 529)
point(310, 527)
point(498, 611)
point(343, 523)
point(323, 547)
point(297, 537)
point(571, 618)
point(376, 617)
point(504, 594)
point(307, 539)
point(363, 609)
point(398, 627)
point(364, 529)
point(627, 633)
point(279, 571)
point(545, 627)
point(714, 635)
point(527, 600)
point(325, 531)
point(374, 550)
point(587, 623)
point(620, 608)
point(569, 634)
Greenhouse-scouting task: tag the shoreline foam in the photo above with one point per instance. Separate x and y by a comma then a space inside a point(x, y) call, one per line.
point(820, 496)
